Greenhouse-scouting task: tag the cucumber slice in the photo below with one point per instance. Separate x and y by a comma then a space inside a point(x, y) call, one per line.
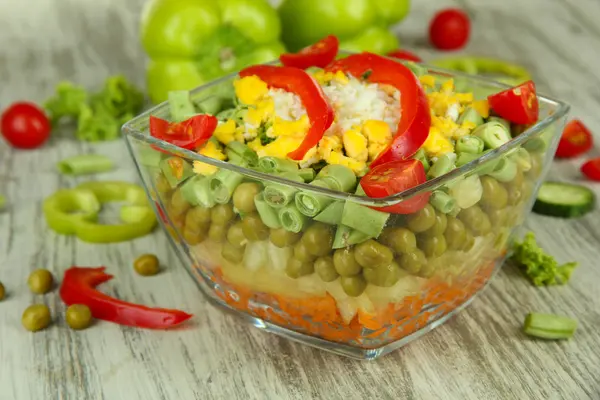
point(565, 200)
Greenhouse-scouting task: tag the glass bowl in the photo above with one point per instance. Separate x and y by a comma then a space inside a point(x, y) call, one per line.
point(441, 262)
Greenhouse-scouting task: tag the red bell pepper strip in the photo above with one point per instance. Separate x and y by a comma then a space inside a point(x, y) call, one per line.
point(319, 54)
point(78, 287)
point(404, 55)
point(297, 81)
point(575, 140)
point(189, 134)
point(591, 169)
point(518, 104)
point(415, 119)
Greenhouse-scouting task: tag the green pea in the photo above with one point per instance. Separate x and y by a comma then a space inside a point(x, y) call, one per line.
point(281, 237)
point(217, 232)
point(78, 316)
point(162, 185)
point(235, 235)
point(222, 214)
point(476, 220)
point(384, 276)
point(40, 281)
point(325, 268)
point(344, 262)
point(254, 228)
point(318, 239)
point(518, 179)
point(536, 166)
point(243, 196)
point(497, 218)
point(178, 204)
point(192, 236)
point(441, 222)
point(234, 254)
point(433, 246)
point(296, 268)
point(515, 194)
point(494, 194)
point(36, 317)
point(198, 216)
point(353, 285)
point(372, 254)
point(401, 240)
point(456, 234)
point(147, 265)
point(427, 271)
point(413, 261)
point(469, 242)
point(422, 219)
point(301, 253)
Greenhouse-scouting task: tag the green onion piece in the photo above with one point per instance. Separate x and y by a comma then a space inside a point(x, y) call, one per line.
point(470, 144)
point(522, 158)
point(455, 211)
point(180, 105)
point(85, 164)
point(370, 222)
point(223, 183)
point(465, 158)
point(502, 121)
point(311, 204)
point(443, 165)
point(267, 214)
point(470, 115)
point(291, 219)
point(442, 201)
point(493, 134)
point(278, 195)
point(346, 236)
point(332, 214)
point(549, 326)
point(176, 170)
point(307, 174)
point(421, 156)
point(240, 150)
point(341, 178)
point(505, 170)
point(535, 145)
point(275, 164)
point(196, 191)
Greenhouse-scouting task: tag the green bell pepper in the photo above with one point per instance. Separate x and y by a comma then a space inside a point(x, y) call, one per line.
point(191, 42)
point(503, 71)
point(75, 212)
point(361, 25)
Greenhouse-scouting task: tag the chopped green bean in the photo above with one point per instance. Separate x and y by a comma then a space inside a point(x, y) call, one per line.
point(307, 174)
point(346, 236)
point(311, 204)
point(341, 178)
point(443, 165)
point(505, 171)
point(176, 170)
point(332, 214)
point(522, 158)
point(470, 115)
point(493, 134)
point(421, 156)
point(180, 105)
point(267, 214)
point(442, 202)
point(364, 219)
point(196, 191)
point(235, 149)
point(465, 158)
point(502, 121)
point(549, 326)
point(85, 164)
point(291, 219)
point(278, 195)
point(223, 183)
point(275, 164)
point(470, 144)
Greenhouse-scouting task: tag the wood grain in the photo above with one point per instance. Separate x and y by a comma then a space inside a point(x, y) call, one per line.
point(478, 354)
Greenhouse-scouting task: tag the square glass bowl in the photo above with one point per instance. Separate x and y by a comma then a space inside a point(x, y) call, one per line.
point(286, 283)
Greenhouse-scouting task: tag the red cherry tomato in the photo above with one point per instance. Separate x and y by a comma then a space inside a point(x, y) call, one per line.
point(24, 125)
point(395, 177)
point(317, 55)
point(591, 169)
point(449, 29)
point(404, 55)
point(575, 140)
point(518, 104)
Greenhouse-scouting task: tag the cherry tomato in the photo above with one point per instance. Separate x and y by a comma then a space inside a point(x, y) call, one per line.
point(449, 29)
point(395, 177)
point(404, 55)
point(518, 104)
point(24, 125)
point(575, 140)
point(319, 54)
point(189, 134)
point(591, 169)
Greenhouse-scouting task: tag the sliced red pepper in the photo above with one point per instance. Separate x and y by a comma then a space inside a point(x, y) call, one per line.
point(78, 287)
point(415, 119)
point(297, 81)
point(575, 140)
point(591, 169)
point(404, 55)
point(189, 134)
point(395, 177)
point(518, 104)
point(319, 54)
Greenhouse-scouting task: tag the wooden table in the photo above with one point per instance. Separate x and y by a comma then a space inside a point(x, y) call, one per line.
point(479, 354)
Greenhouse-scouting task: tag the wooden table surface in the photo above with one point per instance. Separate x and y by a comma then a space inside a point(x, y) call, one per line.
point(479, 354)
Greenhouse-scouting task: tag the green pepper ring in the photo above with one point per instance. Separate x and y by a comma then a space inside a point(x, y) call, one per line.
point(75, 212)
point(514, 74)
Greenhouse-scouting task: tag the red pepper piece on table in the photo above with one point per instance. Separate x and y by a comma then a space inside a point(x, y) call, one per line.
point(319, 54)
point(404, 55)
point(591, 169)
point(575, 140)
point(518, 104)
point(415, 119)
point(297, 81)
point(78, 287)
point(395, 177)
point(189, 134)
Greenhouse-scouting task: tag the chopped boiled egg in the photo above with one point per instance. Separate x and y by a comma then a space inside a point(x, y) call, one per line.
point(262, 111)
point(280, 147)
point(427, 80)
point(225, 132)
point(355, 145)
point(336, 157)
point(212, 150)
point(250, 89)
point(436, 143)
point(283, 127)
point(327, 144)
point(482, 107)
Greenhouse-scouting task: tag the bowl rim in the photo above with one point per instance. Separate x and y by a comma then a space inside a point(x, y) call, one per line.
point(561, 110)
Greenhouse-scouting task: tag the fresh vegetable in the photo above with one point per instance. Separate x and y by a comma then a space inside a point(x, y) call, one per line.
point(502, 70)
point(85, 164)
point(576, 140)
point(40, 281)
point(36, 317)
point(449, 29)
point(79, 287)
point(2, 202)
point(191, 42)
point(24, 125)
point(300, 83)
point(189, 134)
point(404, 55)
point(319, 54)
point(415, 121)
point(541, 268)
point(591, 169)
point(75, 211)
point(518, 105)
point(361, 25)
point(564, 200)
point(78, 316)
point(146, 265)
point(549, 326)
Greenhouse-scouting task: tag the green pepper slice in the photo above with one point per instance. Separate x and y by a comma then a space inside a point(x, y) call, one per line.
point(511, 73)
